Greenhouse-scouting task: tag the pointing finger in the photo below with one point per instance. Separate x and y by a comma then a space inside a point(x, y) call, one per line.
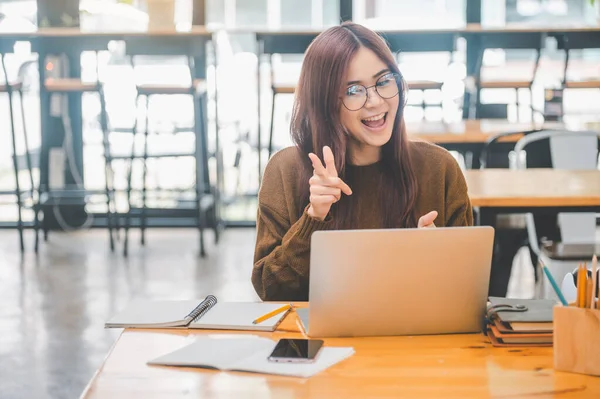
point(317, 165)
point(329, 161)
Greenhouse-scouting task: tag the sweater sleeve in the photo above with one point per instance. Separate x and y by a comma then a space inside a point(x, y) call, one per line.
point(458, 205)
point(282, 252)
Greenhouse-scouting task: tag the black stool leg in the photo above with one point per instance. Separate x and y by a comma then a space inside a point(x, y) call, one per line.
point(200, 152)
point(272, 125)
point(423, 103)
point(517, 104)
point(108, 173)
point(129, 178)
point(144, 174)
point(36, 226)
point(26, 142)
point(16, 166)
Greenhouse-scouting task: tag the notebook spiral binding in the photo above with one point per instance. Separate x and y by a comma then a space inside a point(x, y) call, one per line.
point(202, 308)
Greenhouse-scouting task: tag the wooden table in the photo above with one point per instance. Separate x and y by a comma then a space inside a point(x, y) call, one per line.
point(471, 136)
point(452, 366)
point(542, 192)
point(526, 190)
point(472, 131)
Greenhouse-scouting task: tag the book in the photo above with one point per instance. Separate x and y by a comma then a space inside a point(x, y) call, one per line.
point(249, 354)
point(516, 341)
point(520, 322)
point(196, 314)
point(537, 317)
point(521, 338)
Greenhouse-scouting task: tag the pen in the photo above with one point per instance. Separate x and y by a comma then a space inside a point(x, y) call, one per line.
point(272, 313)
point(554, 286)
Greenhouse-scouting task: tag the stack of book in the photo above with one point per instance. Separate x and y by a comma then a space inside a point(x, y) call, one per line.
point(519, 322)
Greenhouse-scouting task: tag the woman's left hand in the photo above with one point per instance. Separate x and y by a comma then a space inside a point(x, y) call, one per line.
point(427, 220)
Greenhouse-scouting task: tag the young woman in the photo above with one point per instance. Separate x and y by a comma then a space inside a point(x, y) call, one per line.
point(352, 166)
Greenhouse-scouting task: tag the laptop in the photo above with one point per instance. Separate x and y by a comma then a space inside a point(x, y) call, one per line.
point(398, 281)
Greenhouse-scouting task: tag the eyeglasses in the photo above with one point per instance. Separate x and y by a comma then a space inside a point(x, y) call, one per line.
point(356, 96)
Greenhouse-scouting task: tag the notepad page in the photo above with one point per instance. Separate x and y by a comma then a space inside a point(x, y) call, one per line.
point(239, 316)
point(259, 363)
point(149, 313)
point(218, 353)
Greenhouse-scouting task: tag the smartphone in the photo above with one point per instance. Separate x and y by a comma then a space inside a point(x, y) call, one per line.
point(296, 350)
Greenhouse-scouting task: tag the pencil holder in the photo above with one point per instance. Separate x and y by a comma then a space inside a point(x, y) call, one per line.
point(577, 340)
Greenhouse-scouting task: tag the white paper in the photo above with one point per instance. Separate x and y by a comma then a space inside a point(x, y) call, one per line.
point(248, 354)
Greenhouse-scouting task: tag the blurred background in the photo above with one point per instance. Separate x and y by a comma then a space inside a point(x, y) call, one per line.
point(236, 60)
point(130, 116)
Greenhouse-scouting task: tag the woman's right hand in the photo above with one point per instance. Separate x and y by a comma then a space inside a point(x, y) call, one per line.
point(326, 187)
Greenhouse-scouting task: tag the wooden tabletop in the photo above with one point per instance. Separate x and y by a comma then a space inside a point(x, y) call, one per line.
point(533, 187)
point(471, 131)
point(201, 30)
point(524, 28)
point(78, 32)
point(450, 366)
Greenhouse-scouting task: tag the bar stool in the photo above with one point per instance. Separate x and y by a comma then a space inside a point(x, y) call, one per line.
point(204, 200)
point(578, 41)
point(11, 88)
point(49, 197)
point(525, 41)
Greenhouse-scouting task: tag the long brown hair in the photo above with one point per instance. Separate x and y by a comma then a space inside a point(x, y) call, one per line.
point(316, 123)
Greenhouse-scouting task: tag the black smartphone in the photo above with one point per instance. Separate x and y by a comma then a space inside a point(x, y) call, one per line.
point(296, 350)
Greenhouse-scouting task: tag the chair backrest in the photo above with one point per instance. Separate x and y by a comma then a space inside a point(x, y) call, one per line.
point(568, 150)
point(495, 154)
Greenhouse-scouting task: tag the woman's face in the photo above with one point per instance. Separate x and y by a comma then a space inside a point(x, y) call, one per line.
point(370, 126)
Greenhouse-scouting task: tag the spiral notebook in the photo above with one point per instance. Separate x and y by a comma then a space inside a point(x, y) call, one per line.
point(206, 314)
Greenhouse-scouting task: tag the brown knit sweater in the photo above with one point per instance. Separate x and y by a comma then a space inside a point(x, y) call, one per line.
point(281, 259)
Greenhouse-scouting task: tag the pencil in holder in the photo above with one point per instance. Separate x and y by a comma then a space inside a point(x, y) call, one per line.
point(577, 340)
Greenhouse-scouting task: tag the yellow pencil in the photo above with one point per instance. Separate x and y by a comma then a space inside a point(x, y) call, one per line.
point(582, 285)
point(588, 291)
point(594, 280)
point(272, 313)
point(579, 288)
